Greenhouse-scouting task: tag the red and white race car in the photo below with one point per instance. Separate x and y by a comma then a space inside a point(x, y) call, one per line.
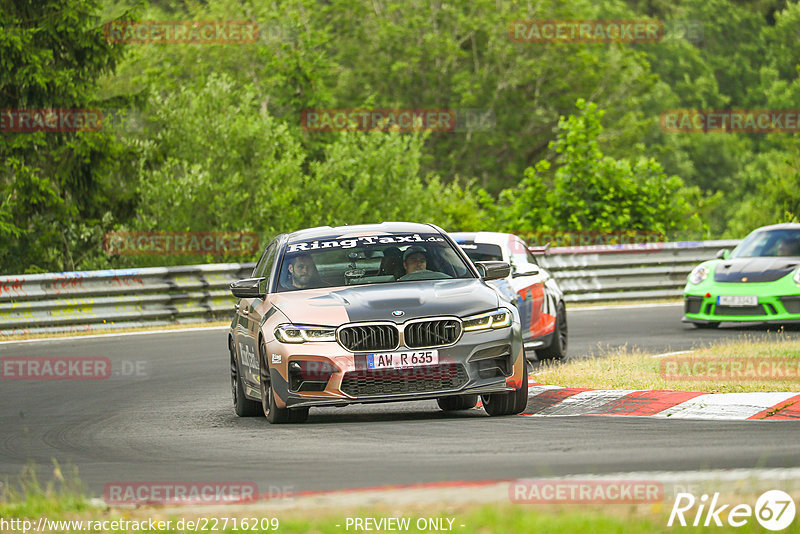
point(529, 287)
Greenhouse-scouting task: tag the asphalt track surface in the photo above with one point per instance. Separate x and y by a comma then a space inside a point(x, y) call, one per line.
point(174, 422)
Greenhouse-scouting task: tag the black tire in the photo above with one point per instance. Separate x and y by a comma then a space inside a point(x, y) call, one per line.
point(457, 402)
point(510, 403)
point(243, 406)
point(557, 350)
point(706, 326)
point(270, 410)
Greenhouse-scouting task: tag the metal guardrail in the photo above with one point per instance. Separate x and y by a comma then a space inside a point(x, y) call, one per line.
point(99, 300)
point(628, 272)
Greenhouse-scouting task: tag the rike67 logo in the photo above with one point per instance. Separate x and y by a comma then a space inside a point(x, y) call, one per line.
point(774, 510)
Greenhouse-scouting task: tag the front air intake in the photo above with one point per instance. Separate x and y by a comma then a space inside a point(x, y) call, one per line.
point(369, 338)
point(433, 333)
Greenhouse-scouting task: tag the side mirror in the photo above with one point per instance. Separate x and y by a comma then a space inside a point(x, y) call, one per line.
point(247, 288)
point(493, 270)
point(723, 254)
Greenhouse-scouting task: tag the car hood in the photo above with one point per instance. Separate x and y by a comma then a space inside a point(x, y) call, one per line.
point(424, 298)
point(758, 269)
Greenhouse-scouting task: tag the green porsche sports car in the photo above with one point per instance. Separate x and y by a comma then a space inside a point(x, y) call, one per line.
point(758, 282)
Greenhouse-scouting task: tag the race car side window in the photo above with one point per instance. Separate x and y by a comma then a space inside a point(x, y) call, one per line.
point(264, 266)
point(520, 254)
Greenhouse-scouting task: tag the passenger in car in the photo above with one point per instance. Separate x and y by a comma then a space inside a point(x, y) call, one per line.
point(392, 263)
point(415, 259)
point(415, 262)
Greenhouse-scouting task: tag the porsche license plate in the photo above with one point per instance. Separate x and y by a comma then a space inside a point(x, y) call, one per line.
point(410, 358)
point(737, 300)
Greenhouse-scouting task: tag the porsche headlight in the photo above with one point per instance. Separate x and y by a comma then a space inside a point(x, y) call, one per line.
point(698, 274)
point(796, 276)
point(499, 318)
point(293, 333)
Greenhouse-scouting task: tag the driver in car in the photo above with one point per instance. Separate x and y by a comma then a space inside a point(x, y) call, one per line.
point(415, 262)
point(303, 273)
point(789, 247)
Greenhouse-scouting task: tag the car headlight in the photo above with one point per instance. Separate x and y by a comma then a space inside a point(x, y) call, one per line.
point(293, 333)
point(498, 318)
point(796, 276)
point(698, 274)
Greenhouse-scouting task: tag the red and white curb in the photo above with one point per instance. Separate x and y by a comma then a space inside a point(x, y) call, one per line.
point(562, 401)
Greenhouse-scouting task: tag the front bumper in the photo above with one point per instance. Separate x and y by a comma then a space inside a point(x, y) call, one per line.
point(771, 309)
point(480, 363)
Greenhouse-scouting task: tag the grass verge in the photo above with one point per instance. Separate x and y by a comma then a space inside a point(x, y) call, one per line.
point(742, 365)
point(467, 511)
point(462, 519)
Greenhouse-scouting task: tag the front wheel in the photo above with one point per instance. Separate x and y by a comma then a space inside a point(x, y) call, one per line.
point(557, 349)
point(510, 403)
point(243, 406)
point(273, 413)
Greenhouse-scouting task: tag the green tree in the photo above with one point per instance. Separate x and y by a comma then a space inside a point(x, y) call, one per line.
point(458, 55)
point(57, 190)
point(212, 160)
point(591, 191)
point(373, 177)
point(772, 183)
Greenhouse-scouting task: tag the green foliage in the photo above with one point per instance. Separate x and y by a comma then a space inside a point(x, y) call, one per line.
point(237, 169)
point(373, 177)
point(56, 189)
point(458, 55)
point(242, 169)
point(26, 496)
point(591, 191)
point(773, 181)
point(208, 137)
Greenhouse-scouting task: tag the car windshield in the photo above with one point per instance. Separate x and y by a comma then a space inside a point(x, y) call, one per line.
point(482, 251)
point(769, 243)
point(368, 259)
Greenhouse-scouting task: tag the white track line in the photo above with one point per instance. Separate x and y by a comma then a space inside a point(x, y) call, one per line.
point(625, 306)
point(664, 355)
point(95, 336)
